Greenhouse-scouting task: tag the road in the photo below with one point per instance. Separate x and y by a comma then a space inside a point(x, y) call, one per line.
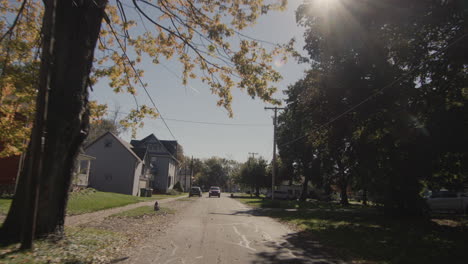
point(223, 230)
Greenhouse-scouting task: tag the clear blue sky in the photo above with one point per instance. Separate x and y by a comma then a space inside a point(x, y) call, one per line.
point(196, 103)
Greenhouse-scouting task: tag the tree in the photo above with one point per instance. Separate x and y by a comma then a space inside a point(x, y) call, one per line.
point(380, 79)
point(99, 126)
point(70, 63)
point(253, 174)
point(214, 171)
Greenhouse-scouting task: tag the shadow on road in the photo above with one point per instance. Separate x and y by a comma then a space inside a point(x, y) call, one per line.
point(296, 248)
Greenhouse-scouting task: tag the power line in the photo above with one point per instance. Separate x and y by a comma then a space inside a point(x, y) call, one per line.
point(205, 122)
point(374, 94)
point(138, 77)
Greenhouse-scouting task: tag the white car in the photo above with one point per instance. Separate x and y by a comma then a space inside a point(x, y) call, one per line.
point(448, 201)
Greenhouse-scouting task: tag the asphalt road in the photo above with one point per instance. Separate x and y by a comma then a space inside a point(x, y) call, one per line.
point(223, 230)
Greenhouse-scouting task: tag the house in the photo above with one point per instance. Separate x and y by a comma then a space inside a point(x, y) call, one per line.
point(81, 170)
point(10, 168)
point(117, 167)
point(183, 176)
point(160, 159)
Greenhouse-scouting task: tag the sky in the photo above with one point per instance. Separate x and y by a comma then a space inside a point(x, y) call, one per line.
point(251, 128)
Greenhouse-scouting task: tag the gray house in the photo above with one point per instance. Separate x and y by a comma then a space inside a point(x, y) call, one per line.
point(117, 167)
point(160, 159)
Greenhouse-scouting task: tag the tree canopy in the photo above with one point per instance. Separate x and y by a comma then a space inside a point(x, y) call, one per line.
point(383, 104)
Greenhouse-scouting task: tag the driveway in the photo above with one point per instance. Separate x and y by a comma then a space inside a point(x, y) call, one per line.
point(223, 230)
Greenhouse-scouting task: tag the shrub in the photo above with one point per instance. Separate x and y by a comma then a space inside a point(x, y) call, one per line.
point(173, 192)
point(178, 187)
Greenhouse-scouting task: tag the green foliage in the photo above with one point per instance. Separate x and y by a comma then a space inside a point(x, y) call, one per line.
point(381, 108)
point(5, 205)
point(173, 192)
point(253, 174)
point(215, 171)
point(178, 187)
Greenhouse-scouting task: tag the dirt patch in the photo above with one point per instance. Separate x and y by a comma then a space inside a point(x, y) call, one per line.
point(136, 230)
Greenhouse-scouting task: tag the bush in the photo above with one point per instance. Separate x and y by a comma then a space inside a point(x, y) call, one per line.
point(173, 192)
point(178, 187)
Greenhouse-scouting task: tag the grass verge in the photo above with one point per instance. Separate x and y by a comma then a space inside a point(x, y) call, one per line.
point(366, 235)
point(5, 204)
point(90, 201)
point(81, 246)
point(143, 211)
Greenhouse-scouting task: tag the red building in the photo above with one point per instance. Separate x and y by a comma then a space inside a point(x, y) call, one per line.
point(8, 173)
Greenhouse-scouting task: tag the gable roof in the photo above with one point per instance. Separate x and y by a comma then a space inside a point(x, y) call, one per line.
point(124, 143)
point(169, 145)
point(141, 152)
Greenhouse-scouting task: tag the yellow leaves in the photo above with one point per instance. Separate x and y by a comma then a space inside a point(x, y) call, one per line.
point(96, 111)
point(134, 119)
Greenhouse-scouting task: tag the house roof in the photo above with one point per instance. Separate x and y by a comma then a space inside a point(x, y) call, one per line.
point(169, 145)
point(124, 143)
point(141, 152)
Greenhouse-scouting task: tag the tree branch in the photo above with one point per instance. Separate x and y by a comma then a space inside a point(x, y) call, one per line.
point(18, 15)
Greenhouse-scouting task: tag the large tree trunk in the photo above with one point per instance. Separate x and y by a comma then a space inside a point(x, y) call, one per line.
point(70, 32)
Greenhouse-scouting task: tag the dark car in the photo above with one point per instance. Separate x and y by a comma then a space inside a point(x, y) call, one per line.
point(195, 191)
point(214, 191)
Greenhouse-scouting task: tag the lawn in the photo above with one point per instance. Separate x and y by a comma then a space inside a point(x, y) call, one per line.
point(90, 200)
point(366, 235)
point(4, 205)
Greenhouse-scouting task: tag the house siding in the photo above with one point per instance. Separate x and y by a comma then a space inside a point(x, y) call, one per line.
point(114, 167)
point(160, 180)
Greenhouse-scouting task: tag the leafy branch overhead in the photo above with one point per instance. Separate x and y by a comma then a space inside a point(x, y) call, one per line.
point(203, 36)
point(197, 34)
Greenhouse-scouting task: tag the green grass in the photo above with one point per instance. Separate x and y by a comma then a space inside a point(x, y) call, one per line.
point(91, 201)
point(288, 204)
point(81, 245)
point(367, 235)
point(142, 211)
point(5, 204)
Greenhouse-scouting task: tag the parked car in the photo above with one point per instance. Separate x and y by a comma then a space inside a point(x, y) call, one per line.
point(214, 191)
point(280, 195)
point(195, 191)
point(448, 201)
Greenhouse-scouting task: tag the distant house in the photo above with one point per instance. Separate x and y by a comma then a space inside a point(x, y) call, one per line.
point(160, 159)
point(183, 176)
point(81, 171)
point(10, 167)
point(117, 167)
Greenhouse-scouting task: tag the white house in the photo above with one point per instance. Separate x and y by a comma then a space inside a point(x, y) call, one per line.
point(117, 167)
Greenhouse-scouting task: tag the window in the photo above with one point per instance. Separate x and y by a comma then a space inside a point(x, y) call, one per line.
point(153, 147)
point(169, 180)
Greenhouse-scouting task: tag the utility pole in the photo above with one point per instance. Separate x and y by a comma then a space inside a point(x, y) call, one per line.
point(274, 149)
point(191, 172)
point(253, 154)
